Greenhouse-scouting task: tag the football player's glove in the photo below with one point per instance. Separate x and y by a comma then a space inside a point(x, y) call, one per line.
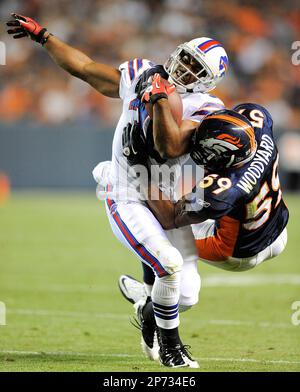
point(146, 77)
point(25, 26)
point(160, 88)
point(134, 144)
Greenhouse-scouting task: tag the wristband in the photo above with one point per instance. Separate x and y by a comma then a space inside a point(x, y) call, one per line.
point(45, 39)
point(155, 97)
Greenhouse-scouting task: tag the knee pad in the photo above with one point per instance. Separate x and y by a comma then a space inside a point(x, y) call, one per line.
point(189, 292)
point(171, 259)
point(190, 285)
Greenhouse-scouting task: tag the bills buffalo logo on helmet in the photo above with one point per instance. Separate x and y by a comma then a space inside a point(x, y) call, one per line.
point(223, 65)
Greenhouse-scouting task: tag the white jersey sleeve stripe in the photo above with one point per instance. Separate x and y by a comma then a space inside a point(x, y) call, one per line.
point(135, 67)
point(131, 70)
point(138, 64)
point(207, 109)
point(213, 105)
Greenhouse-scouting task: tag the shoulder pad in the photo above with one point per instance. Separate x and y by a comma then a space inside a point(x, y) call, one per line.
point(255, 114)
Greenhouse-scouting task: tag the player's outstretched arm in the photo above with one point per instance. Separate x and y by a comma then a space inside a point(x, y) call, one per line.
point(102, 77)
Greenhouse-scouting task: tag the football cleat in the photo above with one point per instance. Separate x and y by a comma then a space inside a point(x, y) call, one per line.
point(149, 338)
point(134, 292)
point(176, 357)
point(132, 289)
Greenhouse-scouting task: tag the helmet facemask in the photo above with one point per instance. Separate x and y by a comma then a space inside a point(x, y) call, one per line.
point(188, 71)
point(207, 157)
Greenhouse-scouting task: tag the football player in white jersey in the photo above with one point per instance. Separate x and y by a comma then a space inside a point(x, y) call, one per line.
point(136, 219)
point(194, 68)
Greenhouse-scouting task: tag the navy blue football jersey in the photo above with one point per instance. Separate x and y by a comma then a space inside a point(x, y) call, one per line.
point(247, 202)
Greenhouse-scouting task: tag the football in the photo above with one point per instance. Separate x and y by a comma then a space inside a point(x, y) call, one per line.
point(175, 104)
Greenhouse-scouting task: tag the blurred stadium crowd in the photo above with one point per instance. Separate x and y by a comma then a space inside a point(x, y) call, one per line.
point(257, 36)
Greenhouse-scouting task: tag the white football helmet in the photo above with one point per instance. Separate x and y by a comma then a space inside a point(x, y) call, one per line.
point(197, 65)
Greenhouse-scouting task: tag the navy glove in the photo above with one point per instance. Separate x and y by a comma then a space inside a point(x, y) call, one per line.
point(134, 144)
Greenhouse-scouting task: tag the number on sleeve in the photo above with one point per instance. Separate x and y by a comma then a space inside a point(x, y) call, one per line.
point(223, 183)
point(207, 181)
point(257, 117)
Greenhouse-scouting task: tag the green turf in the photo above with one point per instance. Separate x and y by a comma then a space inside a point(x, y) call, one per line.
point(59, 265)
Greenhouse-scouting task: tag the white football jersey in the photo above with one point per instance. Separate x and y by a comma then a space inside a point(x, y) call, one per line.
point(195, 107)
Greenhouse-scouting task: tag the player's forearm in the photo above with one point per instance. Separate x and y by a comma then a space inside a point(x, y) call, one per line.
point(185, 216)
point(171, 215)
point(187, 219)
point(103, 78)
point(161, 207)
point(169, 139)
point(67, 57)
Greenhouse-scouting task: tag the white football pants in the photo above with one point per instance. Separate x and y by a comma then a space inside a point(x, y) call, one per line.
point(166, 252)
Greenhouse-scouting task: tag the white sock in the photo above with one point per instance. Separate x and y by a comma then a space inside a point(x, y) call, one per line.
point(165, 298)
point(148, 288)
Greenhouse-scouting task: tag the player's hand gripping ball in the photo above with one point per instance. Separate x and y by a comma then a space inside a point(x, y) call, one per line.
point(161, 88)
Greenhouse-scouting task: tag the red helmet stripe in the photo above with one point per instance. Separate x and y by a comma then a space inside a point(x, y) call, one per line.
point(206, 45)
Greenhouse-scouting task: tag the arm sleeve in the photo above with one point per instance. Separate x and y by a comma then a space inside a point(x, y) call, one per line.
point(246, 108)
point(198, 112)
point(210, 203)
point(208, 108)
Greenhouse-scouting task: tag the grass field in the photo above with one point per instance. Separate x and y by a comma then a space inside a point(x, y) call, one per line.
point(59, 265)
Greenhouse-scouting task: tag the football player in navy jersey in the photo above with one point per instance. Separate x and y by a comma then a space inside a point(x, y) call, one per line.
point(237, 211)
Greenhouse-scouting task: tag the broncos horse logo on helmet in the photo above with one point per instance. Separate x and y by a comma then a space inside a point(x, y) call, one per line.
point(223, 139)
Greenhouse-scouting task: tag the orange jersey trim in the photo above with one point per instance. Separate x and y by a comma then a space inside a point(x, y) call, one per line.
point(221, 245)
